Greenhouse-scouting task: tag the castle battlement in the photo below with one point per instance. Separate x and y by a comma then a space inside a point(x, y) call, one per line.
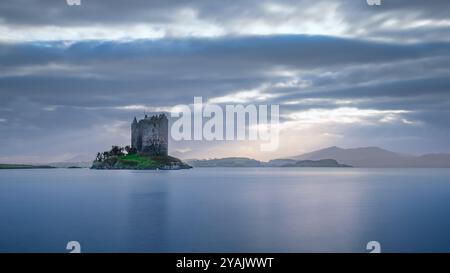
point(150, 135)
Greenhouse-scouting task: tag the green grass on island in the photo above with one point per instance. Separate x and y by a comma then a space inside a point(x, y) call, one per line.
point(135, 160)
point(139, 162)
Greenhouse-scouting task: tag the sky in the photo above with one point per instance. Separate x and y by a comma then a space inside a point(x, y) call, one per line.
point(344, 73)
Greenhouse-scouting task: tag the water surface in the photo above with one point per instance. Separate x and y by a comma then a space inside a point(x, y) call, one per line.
point(225, 210)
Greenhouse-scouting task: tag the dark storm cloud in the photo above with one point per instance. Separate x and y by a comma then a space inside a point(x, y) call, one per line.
point(51, 12)
point(109, 74)
point(31, 12)
point(424, 87)
point(233, 17)
point(294, 51)
point(118, 73)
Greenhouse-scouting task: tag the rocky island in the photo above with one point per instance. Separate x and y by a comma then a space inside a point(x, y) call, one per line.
point(148, 150)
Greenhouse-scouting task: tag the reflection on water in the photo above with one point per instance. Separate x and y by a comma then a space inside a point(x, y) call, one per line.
point(225, 210)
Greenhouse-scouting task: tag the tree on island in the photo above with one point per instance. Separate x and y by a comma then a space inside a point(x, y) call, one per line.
point(115, 151)
point(130, 150)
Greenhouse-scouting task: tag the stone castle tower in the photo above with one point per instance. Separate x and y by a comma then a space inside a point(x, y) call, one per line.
point(150, 135)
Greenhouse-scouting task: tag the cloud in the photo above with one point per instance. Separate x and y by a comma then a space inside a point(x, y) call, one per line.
point(140, 19)
point(57, 88)
point(245, 96)
point(344, 115)
point(80, 74)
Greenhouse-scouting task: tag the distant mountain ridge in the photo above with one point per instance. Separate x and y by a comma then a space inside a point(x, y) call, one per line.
point(377, 157)
point(83, 164)
point(330, 163)
point(225, 162)
point(366, 157)
point(248, 162)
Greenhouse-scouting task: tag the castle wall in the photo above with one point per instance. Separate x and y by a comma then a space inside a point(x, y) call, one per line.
point(150, 135)
point(135, 133)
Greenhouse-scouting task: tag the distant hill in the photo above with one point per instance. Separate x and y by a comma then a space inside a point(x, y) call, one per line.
point(316, 163)
point(79, 161)
point(24, 166)
point(377, 157)
point(248, 162)
point(280, 162)
point(84, 164)
point(225, 162)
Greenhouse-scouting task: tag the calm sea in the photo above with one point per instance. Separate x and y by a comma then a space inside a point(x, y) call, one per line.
point(225, 210)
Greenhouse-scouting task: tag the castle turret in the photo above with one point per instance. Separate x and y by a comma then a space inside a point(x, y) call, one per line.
point(135, 134)
point(150, 135)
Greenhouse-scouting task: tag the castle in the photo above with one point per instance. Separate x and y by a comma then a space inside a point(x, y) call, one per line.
point(150, 135)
